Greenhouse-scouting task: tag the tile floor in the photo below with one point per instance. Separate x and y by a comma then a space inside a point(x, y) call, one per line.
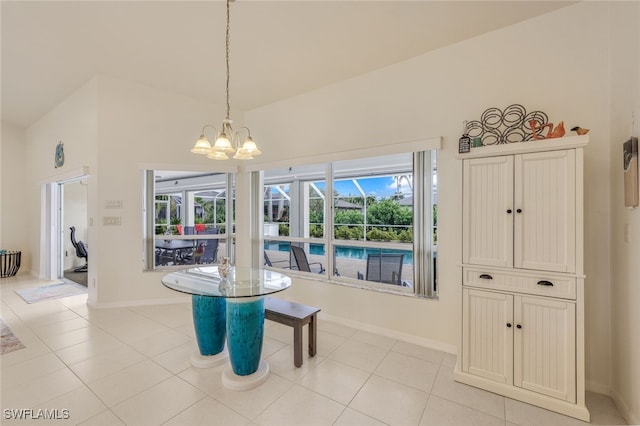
point(131, 366)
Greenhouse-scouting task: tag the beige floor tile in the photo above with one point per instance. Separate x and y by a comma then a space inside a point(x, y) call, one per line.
point(208, 380)
point(300, 406)
point(74, 337)
point(252, 402)
point(281, 363)
point(207, 412)
point(271, 346)
point(441, 412)
point(527, 415)
point(478, 399)
point(360, 355)
point(336, 328)
point(159, 403)
point(81, 404)
point(105, 364)
point(96, 346)
point(41, 389)
point(408, 371)
point(374, 339)
point(105, 418)
point(350, 417)
point(160, 342)
point(421, 352)
point(328, 342)
point(128, 382)
point(179, 358)
point(390, 402)
point(603, 411)
point(17, 374)
point(61, 327)
point(335, 380)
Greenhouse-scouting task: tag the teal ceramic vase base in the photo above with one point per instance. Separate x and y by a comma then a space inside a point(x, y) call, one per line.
point(209, 321)
point(209, 361)
point(245, 329)
point(231, 380)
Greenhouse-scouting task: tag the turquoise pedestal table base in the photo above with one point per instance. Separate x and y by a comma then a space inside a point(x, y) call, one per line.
point(209, 320)
point(245, 330)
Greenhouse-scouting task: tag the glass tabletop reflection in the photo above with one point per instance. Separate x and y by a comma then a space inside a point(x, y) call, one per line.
point(241, 282)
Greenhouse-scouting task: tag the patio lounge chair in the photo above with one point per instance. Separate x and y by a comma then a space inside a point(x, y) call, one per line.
point(268, 261)
point(384, 268)
point(302, 264)
point(207, 250)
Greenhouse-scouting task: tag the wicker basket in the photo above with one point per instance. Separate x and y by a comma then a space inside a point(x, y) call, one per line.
point(9, 263)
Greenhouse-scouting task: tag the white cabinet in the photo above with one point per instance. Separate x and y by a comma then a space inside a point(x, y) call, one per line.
point(524, 341)
point(519, 211)
point(522, 273)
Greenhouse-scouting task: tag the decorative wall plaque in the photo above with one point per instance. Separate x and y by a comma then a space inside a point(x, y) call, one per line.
point(512, 125)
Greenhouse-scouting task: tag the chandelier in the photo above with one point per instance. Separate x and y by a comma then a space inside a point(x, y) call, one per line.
point(227, 140)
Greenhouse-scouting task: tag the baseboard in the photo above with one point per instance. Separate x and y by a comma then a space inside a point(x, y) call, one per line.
point(623, 408)
point(409, 338)
point(135, 303)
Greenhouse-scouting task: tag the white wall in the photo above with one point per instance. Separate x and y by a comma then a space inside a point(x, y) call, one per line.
point(625, 268)
point(139, 126)
point(14, 226)
point(557, 63)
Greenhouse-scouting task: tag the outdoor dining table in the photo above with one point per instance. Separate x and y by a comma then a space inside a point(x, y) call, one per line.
point(229, 309)
point(174, 248)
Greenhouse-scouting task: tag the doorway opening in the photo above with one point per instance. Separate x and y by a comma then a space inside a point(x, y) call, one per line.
point(73, 232)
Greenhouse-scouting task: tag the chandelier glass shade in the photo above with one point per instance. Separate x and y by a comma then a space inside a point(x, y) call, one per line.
point(227, 140)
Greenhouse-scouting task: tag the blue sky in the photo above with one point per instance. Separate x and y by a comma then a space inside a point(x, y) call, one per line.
point(380, 187)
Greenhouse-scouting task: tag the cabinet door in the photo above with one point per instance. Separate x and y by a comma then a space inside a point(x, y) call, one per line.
point(544, 224)
point(487, 199)
point(545, 346)
point(487, 333)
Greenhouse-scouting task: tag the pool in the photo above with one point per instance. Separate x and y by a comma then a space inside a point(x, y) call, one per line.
point(357, 253)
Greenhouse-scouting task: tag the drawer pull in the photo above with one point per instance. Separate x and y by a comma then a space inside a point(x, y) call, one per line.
point(509, 324)
point(547, 283)
point(486, 277)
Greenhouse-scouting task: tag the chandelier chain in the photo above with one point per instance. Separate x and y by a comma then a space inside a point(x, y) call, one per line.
point(227, 59)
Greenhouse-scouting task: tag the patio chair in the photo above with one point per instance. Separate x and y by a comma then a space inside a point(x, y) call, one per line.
point(207, 250)
point(268, 261)
point(384, 268)
point(302, 264)
point(81, 251)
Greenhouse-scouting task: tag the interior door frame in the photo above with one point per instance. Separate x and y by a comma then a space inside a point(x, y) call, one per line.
point(51, 242)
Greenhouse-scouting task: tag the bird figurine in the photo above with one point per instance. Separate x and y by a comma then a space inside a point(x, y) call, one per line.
point(579, 130)
point(536, 130)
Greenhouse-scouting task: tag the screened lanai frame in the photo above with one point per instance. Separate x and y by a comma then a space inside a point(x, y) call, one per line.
point(188, 191)
point(302, 183)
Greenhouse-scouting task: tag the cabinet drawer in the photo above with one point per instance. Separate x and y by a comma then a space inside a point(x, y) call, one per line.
point(529, 283)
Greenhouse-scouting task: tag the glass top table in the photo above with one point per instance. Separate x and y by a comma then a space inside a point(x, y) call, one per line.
point(241, 282)
point(229, 310)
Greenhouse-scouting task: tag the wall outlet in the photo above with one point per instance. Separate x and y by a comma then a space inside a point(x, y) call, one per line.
point(112, 220)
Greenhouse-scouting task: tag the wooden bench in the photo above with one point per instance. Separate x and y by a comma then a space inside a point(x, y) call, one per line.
point(294, 315)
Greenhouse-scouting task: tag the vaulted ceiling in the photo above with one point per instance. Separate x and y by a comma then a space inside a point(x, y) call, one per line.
point(278, 48)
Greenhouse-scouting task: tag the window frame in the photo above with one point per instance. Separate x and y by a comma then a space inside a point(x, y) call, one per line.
point(422, 220)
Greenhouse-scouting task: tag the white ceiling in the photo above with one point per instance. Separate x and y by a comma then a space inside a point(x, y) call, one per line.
point(278, 48)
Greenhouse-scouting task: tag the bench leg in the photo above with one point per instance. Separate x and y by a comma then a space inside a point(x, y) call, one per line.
point(297, 345)
point(313, 335)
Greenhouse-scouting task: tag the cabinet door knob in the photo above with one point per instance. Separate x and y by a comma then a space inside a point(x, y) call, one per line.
point(544, 282)
point(518, 326)
point(509, 324)
point(519, 211)
point(509, 211)
point(486, 277)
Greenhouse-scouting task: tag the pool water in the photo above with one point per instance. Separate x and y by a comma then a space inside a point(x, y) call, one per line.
point(358, 253)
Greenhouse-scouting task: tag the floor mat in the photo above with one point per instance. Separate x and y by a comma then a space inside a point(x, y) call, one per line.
point(8, 341)
point(50, 292)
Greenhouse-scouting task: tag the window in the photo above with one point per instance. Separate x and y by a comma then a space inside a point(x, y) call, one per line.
point(189, 222)
point(382, 230)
